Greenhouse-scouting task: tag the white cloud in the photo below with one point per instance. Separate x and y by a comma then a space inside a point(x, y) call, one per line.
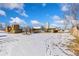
point(65, 8)
point(4, 25)
point(12, 5)
point(72, 20)
point(44, 4)
point(18, 7)
point(61, 21)
point(35, 22)
point(69, 21)
point(58, 19)
point(55, 17)
point(17, 20)
point(24, 14)
point(53, 25)
point(2, 13)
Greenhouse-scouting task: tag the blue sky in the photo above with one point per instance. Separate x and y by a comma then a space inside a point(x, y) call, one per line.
point(32, 12)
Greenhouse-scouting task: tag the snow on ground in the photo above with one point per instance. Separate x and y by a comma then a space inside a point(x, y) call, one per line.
point(57, 45)
point(38, 44)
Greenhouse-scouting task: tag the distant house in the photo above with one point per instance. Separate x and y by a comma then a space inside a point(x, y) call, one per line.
point(8, 29)
point(27, 30)
point(50, 28)
point(53, 29)
point(36, 29)
point(16, 28)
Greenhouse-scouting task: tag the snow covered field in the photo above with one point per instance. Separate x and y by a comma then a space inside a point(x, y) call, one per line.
point(38, 44)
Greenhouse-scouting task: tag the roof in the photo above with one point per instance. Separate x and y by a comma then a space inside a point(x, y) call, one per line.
point(37, 27)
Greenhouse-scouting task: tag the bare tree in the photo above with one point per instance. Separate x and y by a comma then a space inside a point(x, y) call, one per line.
point(0, 26)
point(65, 18)
point(74, 12)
